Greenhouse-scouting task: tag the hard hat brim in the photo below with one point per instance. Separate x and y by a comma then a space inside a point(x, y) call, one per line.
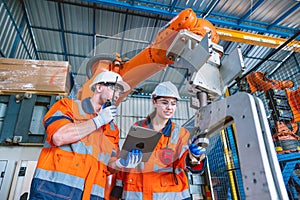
point(125, 86)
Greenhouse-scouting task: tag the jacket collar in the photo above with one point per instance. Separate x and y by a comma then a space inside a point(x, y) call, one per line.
point(166, 130)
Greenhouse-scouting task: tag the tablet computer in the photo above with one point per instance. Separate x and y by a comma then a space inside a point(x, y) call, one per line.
point(141, 138)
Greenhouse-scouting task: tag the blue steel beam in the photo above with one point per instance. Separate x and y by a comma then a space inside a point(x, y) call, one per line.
point(29, 30)
point(17, 39)
point(296, 179)
point(63, 53)
point(150, 3)
point(234, 25)
point(62, 31)
point(16, 27)
point(124, 39)
point(59, 30)
point(172, 7)
point(287, 13)
point(229, 18)
point(256, 58)
point(211, 8)
point(250, 11)
point(288, 170)
point(228, 21)
point(94, 26)
point(10, 119)
point(2, 54)
point(129, 6)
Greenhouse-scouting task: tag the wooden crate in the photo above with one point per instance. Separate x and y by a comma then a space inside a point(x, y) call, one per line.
point(34, 76)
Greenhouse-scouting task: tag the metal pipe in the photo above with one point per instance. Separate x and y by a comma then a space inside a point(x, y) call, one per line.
point(202, 96)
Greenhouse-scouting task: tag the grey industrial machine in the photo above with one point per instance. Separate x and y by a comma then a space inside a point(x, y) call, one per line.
point(261, 175)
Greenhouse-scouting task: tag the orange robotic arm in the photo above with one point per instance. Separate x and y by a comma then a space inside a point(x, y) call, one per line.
point(294, 99)
point(258, 82)
point(153, 58)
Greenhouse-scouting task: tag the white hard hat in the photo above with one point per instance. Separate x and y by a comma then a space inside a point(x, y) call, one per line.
point(109, 77)
point(166, 89)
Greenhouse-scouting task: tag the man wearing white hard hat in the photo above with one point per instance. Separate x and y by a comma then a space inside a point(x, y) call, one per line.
point(163, 175)
point(82, 144)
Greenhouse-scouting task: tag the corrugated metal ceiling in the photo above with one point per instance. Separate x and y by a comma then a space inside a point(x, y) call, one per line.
point(73, 30)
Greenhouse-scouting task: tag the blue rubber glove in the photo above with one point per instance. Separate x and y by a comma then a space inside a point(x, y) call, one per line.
point(196, 150)
point(105, 116)
point(196, 160)
point(134, 157)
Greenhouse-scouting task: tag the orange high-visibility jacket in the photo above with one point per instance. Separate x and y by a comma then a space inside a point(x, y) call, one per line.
point(77, 170)
point(154, 179)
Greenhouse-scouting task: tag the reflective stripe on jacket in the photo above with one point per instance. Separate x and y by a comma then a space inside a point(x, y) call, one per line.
point(77, 170)
point(154, 179)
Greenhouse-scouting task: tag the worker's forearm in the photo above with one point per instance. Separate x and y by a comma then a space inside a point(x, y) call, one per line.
point(73, 132)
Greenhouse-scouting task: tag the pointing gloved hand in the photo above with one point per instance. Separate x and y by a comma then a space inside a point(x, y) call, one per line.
point(105, 116)
point(134, 157)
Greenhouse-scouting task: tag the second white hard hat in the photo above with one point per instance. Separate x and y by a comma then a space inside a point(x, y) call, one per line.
point(166, 89)
point(109, 77)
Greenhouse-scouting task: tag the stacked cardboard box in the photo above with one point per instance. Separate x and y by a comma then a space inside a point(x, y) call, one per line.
point(38, 76)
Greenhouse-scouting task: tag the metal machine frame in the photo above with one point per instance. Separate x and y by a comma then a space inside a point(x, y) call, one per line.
point(261, 174)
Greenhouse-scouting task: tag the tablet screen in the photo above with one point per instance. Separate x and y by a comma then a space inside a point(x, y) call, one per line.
point(140, 138)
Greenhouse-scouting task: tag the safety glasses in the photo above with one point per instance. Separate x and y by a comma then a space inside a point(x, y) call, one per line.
point(165, 102)
point(118, 88)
